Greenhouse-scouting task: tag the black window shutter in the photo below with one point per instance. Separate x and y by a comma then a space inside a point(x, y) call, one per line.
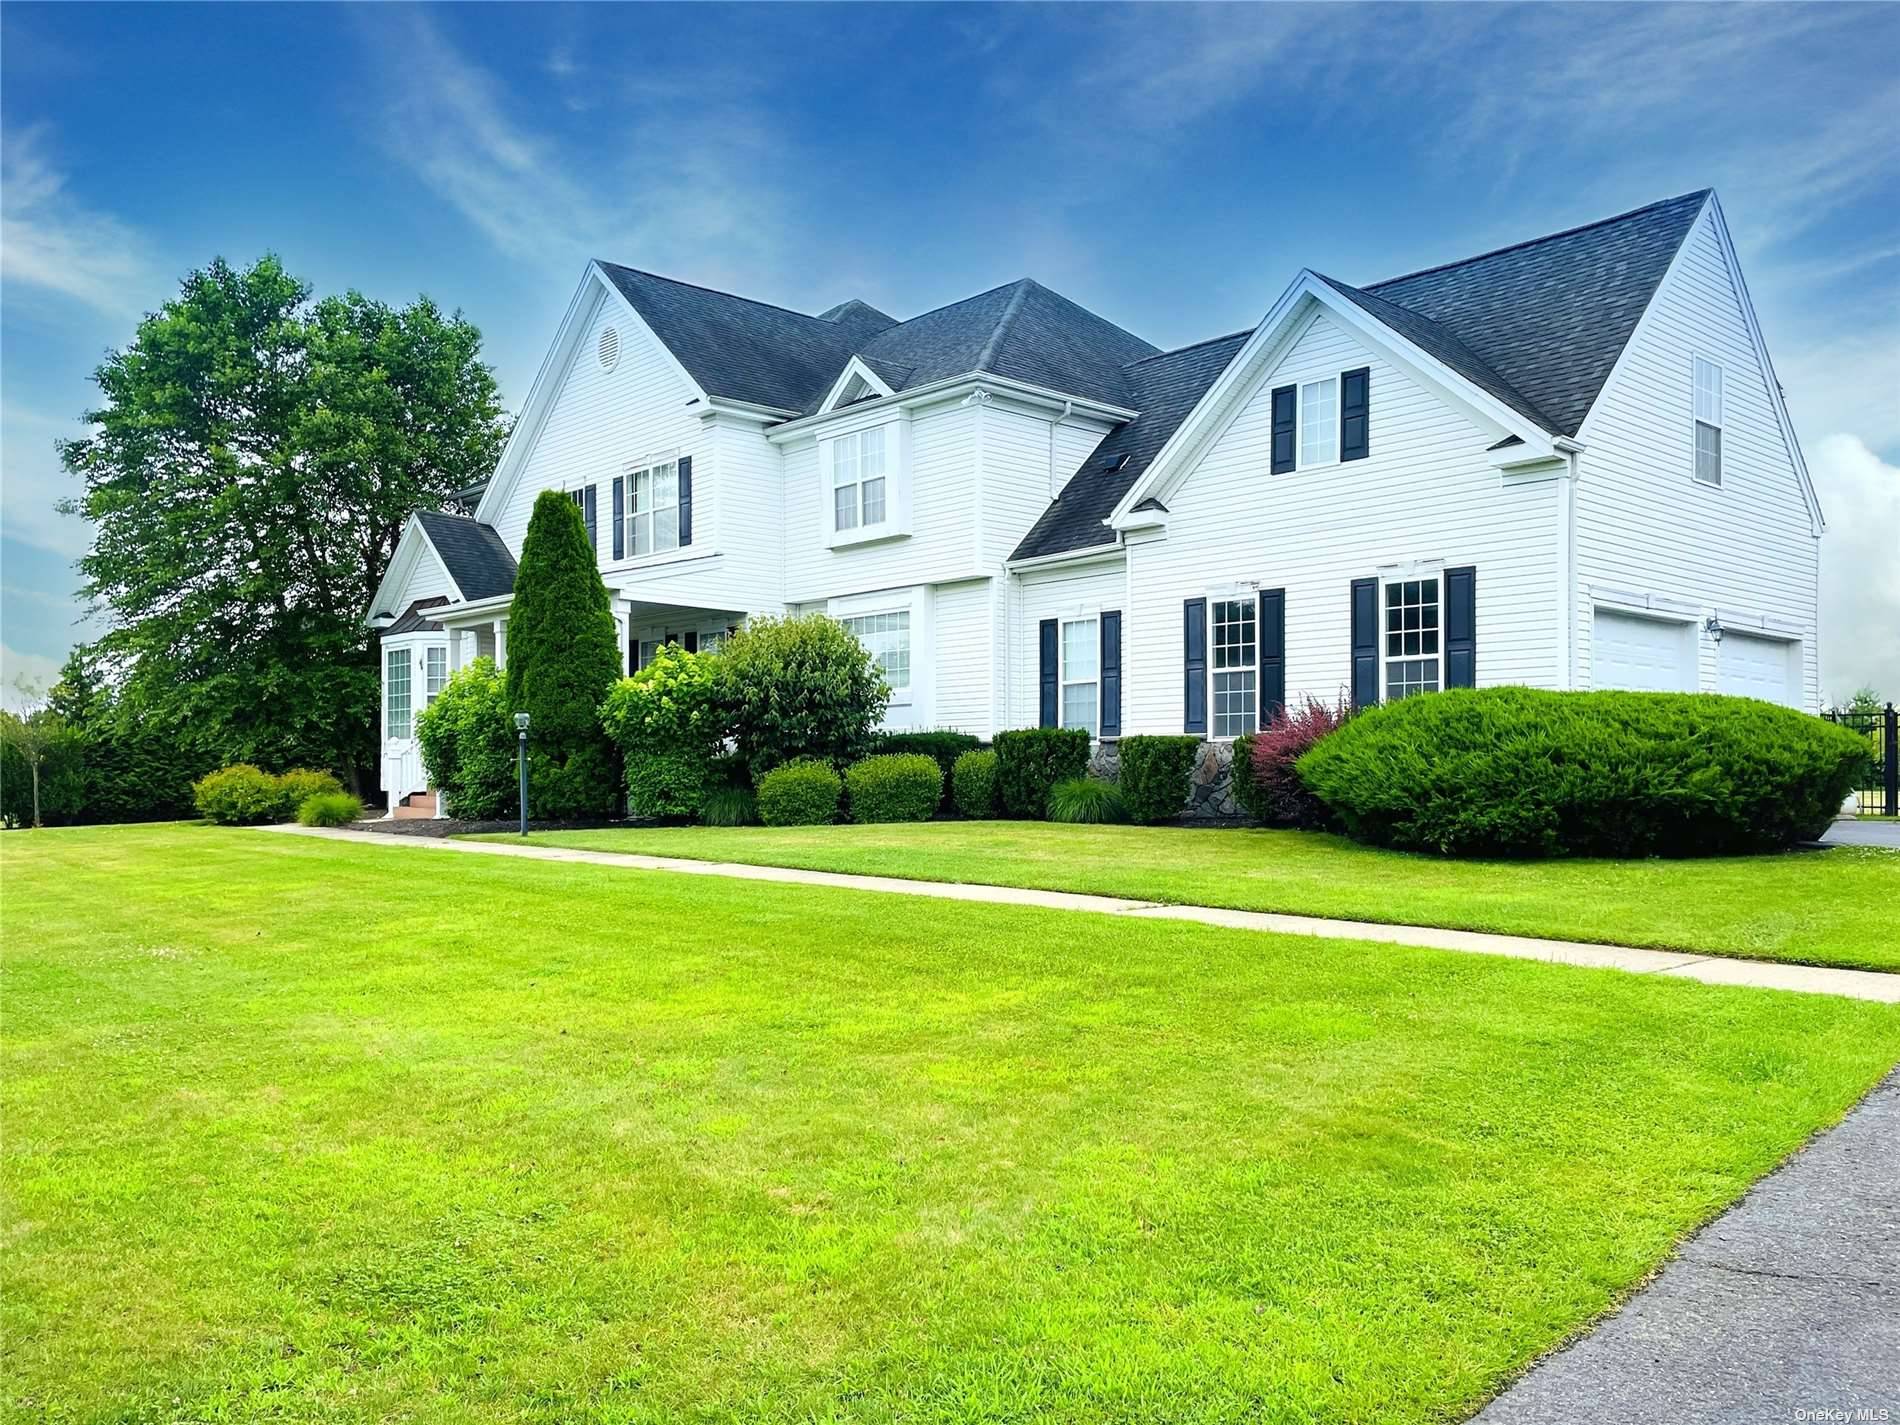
point(1461, 627)
point(588, 514)
point(620, 517)
point(1047, 642)
point(1283, 431)
point(1111, 674)
point(686, 500)
point(1355, 409)
point(1272, 655)
point(1365, 643)
point(1194, 666)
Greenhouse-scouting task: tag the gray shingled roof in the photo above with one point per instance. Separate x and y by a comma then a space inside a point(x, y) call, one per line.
point(1021, 330)
point(414, 620)
point(1551, 316)
point(745, 350)
point(473, 553)
point(1164, 388)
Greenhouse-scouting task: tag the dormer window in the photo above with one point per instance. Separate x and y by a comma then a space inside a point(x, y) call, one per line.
point(858, 474)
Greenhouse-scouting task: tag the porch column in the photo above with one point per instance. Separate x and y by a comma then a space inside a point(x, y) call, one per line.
point(501, 643)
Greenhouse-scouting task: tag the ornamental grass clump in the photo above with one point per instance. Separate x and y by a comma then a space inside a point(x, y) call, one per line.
point(1087, 801)
point(805, 792)
point(330, 809)
point(1523, 772)
point(905, 786)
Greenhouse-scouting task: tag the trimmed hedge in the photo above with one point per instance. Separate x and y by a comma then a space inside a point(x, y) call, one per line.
point(1520, 772)
point(801, 793)
point(973, 784)
point(1031, 760)
point(1087, 801)
point(941, 744)
point(1157, 774)
point(904, 786)
point(1266, 768)
point(330, 809)
point(242, 795)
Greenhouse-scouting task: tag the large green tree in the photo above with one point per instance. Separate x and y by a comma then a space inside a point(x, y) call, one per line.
point(251, 464)
point(563, 657)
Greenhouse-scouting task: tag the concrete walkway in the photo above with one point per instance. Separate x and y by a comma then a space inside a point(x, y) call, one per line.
point(1787, 1308)
point(1715, 970)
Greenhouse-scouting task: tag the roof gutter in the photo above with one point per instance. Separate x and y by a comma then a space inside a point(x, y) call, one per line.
point(1098, 553)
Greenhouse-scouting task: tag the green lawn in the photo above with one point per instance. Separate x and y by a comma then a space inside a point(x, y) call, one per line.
point(313, 1131)
point(1837, 907)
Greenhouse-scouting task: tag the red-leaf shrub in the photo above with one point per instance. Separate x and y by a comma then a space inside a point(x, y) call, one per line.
point(1274, 794)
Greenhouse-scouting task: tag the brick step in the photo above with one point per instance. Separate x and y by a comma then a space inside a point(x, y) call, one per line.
point(416, 804)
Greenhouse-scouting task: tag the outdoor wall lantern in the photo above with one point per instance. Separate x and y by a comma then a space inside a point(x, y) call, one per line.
point(521, 764)
point(1713, 628)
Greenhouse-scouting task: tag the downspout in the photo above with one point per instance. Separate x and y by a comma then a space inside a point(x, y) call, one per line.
point(1567, 573)
point(1067, 408)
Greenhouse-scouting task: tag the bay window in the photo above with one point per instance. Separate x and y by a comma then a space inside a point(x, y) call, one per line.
point(1413, 648)
point(435, 671)
point(396, 691)
point(1236, 667)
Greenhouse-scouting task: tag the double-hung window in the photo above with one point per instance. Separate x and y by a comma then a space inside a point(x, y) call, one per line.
point(1708, 422)
point(1081, 673)
point(886, 637)
point(1236, 667)
point(1413, 645)
point(653, 508)
point(858, 475)
point(435, 672)
point(396, 690)
point(1319, 422)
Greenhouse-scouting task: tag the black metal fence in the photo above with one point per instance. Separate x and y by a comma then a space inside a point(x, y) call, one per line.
point(1879, 795)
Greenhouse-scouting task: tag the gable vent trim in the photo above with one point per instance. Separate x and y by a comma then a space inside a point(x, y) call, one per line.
point(608, 348)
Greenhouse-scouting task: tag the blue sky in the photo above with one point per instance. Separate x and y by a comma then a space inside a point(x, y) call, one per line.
point(1169, 167)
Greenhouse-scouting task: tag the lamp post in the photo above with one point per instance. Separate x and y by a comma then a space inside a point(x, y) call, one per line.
point(521, 764)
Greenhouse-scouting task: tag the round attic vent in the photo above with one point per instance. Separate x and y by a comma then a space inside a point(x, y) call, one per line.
point(609, 348)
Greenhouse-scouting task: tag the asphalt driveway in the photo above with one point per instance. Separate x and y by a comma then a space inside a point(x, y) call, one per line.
point(1789, 1303)
point(1863, 833)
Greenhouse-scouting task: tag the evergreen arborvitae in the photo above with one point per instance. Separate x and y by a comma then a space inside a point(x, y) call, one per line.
point(562, 658)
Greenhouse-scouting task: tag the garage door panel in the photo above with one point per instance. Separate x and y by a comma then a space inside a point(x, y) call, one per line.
point(1643, 654)
point(1752, 667)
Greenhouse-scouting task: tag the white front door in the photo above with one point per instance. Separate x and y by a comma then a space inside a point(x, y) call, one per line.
point(1644, 654)
point(1752, 667)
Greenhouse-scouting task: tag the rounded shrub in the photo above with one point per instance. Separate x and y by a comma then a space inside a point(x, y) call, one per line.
point(800, 687)
point(902, 786)
point(973, 784)
point(668, 722)
point(330, 809)
point(301, 783)
point(1266, 782)
point(242, 795)
point(801, 793)
point(1521, 772)
point(467, 737)
point(943, 744)
point(730, 806)
point(1031, 760)
point(1086, 801)
point(1156, 776)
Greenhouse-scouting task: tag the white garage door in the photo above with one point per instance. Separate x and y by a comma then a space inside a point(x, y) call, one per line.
point(1642, 653)
point(1757, 668)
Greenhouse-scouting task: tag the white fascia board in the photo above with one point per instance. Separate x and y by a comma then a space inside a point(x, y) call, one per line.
point(1105, 554)
point(1256, 360)
point(854, 367)
point(474, 610)
point(1025, 391)
point(744, 410)
point(595, 287)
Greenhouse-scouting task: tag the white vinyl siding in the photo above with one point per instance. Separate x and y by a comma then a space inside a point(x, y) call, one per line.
point(1646, 529)
point(1236, 666)
point(1081, 672)
point(1413, 653)
point(886, 637)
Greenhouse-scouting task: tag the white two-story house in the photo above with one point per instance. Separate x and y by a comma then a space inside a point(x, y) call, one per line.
point(1565, 464)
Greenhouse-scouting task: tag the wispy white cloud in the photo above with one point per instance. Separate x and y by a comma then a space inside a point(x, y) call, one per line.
point(36, 670)
point(53, 242)
point(1860, 578)
point(34, 482)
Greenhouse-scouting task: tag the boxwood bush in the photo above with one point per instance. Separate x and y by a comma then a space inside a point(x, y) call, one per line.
point(804, 792)
point(242, 795)
point(1520, 772)
point(973, 784)
point(939, 743)
point(330, 809)
point(902, 786)
point(1156, 775)
point(1031, 760)
point(1087, 801)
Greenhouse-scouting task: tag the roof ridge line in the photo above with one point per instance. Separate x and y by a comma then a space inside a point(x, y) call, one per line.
point(1010, 311)
point(721, 292)
point(1177, 350)
point(1702, 193)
